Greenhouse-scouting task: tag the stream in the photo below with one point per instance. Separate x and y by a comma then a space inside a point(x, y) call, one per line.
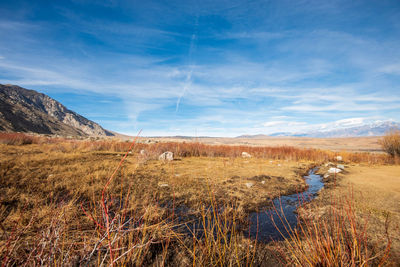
point(261, 224)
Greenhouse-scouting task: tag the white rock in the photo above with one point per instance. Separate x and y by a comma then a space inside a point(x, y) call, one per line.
point(249, 185)
point(326, 175)
point(339, 158)
point(166, 156)
point(246, 155)
point(340, 166)
point(161, 184)
point(334, 170)
point(263, 182)
point(142, 152)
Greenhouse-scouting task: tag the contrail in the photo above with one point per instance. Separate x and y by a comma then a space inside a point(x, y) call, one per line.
point(188, 80)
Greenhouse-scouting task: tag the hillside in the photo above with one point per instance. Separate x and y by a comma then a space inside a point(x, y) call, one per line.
point(23, 110)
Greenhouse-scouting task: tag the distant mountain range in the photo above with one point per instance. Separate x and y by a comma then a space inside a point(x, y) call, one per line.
point(23, 110)
point(377, 128)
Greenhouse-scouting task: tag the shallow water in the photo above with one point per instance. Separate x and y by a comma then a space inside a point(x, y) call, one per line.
point(261, 224)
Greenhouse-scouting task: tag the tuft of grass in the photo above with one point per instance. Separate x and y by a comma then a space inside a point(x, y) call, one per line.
point(218, 239)
point(125, 237)
point(337, 238)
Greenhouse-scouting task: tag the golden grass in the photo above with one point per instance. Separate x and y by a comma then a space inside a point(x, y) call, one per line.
point(56, 210)
point(338, 238)
point(366, 198)
point(52, 192)
point(196, 149)
point(377, 193)
point(190, 178)
point(353, 144)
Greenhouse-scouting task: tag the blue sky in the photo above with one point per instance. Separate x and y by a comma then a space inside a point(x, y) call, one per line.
point(217, 68)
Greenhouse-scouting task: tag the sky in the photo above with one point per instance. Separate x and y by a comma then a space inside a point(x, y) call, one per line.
point(208, 67)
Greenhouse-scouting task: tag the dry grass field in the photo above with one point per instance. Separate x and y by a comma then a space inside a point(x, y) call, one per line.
point(353, 144)
point(375, 195)
point(81, 202)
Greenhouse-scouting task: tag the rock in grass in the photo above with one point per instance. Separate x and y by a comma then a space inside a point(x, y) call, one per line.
point(246, 155)
point(334, 170)
point(340, 166)
point(168, 155)
point(249, 185)
point(326, 175)
point(162, 184)
point(142, 152)
point(339, 158)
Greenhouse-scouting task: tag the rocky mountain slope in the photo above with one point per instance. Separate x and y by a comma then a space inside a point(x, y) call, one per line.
point(23, 110)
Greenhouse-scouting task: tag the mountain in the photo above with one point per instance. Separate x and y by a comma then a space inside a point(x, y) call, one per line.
point(257, 136)
point(376, 128)
point(23, 110)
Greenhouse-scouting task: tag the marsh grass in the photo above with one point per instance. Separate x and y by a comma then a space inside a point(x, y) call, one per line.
point(337, 238)
point(191, 149)
point(218, 239)
point(17, 139)
point(84, 202)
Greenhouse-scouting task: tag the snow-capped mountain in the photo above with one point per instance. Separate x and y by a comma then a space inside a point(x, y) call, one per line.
point(348, 129)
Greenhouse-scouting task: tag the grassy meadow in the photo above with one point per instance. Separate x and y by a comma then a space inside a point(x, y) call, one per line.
point(68, 202)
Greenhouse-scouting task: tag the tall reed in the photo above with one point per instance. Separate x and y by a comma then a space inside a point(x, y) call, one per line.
point(337, 238)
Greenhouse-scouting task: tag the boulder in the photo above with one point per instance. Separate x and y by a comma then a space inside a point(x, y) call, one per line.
point(334, 170)
point(162, 184)
point(246, 155)
point(339, 158)
point(249, 185)
point(166, 156)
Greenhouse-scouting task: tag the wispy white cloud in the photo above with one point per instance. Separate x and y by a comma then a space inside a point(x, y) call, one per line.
point(391, 69)
point(340, 107)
